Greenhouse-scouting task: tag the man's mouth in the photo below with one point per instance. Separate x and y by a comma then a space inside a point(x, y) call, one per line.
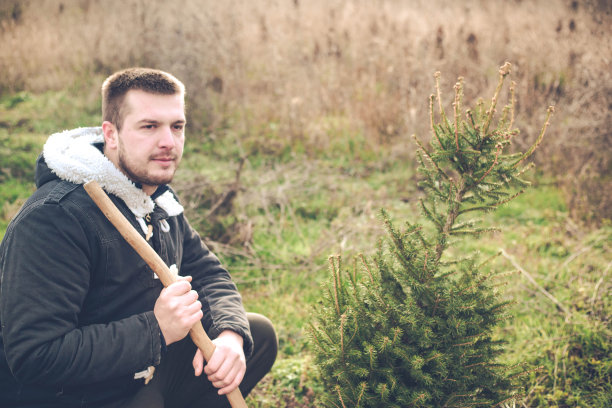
point(164, 158)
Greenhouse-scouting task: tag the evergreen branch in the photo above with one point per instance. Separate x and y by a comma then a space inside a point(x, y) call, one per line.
point(482, 363)
point(363, 388)
point(433, 313)
point(429, 182)
point(475, 231)
point(479, 208)
point(503, 71)
point(513, 104)
point(525, 169)
point(501, 305)
point(340, 396)
point(450, 220)
point(503, 122)
point(431, 215)
point(475, 285)
point(354, 332)
point(465, 224)
point(454, 396)
point(420, 397)
point(488, 260)
point(503, 319)
point(473, 142)
point(353, 279)
point(371, 351)
point(430, 158)
point(469, 152)
point(512, 398)
point(342, 321)
point(468, 343)
point(476, 356)
point(367, 267)
point(456, 114)
point(526, 372)
point(431, 116)
point(313, 331)
point(492, 206)
point(396, 334)
point(529, 152)
point(418, 232)
point(500, 284)
point(474, 337)
point(336, 279)
point(377, 294)
point(497, 152)
point(476, 134)
point(442, 114)
point(384, 392)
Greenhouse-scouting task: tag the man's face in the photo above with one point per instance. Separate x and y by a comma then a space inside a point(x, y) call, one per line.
point(149, 146)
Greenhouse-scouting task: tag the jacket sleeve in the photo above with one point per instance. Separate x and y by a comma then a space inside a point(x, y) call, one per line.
point(45, 270)
point(221, 302)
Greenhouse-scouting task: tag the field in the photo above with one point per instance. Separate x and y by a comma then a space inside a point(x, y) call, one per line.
point(300, 123)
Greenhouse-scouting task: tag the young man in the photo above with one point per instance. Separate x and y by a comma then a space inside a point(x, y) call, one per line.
point(84, 321)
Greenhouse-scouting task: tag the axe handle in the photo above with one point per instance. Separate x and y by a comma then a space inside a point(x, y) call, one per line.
point(129, 233)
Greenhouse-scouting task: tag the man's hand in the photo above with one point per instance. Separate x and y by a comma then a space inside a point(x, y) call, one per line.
point(177, 309)
point(227, 366)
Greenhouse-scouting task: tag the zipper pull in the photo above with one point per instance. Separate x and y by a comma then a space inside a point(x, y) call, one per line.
point(149, 227)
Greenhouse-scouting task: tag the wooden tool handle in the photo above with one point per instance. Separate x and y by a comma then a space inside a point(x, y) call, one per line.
point(129, 233)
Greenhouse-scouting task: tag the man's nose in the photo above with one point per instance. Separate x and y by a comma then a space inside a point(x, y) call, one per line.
point(166, 139)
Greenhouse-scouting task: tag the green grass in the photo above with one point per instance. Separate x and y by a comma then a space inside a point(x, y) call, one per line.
point(296, 207)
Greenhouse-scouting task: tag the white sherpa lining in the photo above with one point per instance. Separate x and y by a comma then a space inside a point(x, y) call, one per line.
point(72, 156)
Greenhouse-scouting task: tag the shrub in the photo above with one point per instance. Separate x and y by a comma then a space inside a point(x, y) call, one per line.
point(414, 328)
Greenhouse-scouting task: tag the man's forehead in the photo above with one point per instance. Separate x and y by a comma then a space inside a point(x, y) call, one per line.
point(137, 101)
point(141, 96)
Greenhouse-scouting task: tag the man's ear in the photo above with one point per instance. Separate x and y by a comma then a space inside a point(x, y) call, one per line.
point(110, 135)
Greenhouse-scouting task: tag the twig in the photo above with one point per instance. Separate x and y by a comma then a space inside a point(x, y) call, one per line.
point(599, 282)
point(574, 256)
point(532, 280)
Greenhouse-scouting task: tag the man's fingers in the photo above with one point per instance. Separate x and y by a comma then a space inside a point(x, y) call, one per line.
point(177, 309)
point(227, 376)
point(178, 288)
point(227, 366)
point(198, 363)
point(223, 371)
point(193, 307)
point(213, 365)
point(191, 297)
point(226, 389)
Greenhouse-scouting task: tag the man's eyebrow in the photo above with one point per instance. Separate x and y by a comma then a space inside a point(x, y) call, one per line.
point(148, 121)
point(153, 121)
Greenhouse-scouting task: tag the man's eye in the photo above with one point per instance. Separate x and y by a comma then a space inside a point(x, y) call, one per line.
point(148, 127)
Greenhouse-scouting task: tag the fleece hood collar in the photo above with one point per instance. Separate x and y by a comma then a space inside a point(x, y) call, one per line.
point(72, 156)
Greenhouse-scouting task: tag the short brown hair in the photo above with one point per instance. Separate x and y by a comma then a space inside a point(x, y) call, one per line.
point(116, 86)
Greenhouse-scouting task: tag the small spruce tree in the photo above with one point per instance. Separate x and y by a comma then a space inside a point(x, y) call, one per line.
point(413, 327)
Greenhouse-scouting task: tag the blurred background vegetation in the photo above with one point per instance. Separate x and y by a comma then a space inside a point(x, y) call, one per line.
point(300, 116)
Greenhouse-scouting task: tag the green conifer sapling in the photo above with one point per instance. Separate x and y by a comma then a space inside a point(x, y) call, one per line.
point(413, 327)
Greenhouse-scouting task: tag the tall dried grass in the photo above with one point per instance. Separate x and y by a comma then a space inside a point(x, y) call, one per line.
point(319, 69)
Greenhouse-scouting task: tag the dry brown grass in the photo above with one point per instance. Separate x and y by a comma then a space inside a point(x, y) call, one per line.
point(318, 69)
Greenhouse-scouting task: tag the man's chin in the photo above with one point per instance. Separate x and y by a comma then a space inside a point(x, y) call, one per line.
point(156, 180)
